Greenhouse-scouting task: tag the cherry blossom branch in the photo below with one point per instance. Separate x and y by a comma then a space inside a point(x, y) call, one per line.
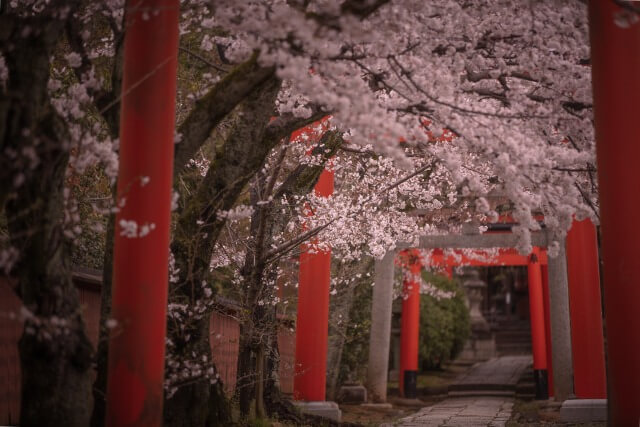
point(286, 247)
point(215, 105)
point(202, 59)
point(406, 178)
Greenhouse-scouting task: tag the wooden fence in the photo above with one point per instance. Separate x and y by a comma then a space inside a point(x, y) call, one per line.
point(224, 339)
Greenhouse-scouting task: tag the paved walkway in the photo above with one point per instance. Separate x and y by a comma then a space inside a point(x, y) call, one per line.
point(463, 411)
point(499, 375)
point(482, 397)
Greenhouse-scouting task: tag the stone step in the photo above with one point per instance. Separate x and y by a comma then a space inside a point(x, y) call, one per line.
point(516, 346)
point(487, 393)
point(516, 349)
point(512, 336)
point(482, 386)
point(512, 353)
point(463, 363)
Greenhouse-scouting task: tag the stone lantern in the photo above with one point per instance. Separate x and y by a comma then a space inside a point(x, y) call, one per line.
point(481, 344)
point(475, 288)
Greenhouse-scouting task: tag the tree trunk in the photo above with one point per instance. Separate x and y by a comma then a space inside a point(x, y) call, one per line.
point(260, 330)
point(339, 307)
point(245, 389)
point(55, 353)
point(260, 411)
point(199, 403)
point(240, 156)
point(56, 380)
point(98, 416)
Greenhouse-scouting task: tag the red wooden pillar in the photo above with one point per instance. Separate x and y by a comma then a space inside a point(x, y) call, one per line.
point(312, 327)
point(615, 69)
point(449, 272)
point(587, 341)
point(141, 248)
point(536, 314)
point(410, 330)
point(544, 269)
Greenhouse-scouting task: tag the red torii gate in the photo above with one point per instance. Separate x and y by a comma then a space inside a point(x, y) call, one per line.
point(538, 303)
point(585, 308)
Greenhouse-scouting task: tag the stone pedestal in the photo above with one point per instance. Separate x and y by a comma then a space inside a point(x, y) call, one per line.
point(352, 393)
point(325, 409)
point(584, 410)
point(481, 344)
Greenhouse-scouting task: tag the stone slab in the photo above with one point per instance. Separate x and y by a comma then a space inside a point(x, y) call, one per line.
point(324, 409)
point(352, 394)
point(584, 410)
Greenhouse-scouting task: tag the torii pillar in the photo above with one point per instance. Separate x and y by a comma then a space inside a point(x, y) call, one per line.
point(615, 58)
point(410, 329)
point(140, 262)
point(312, 326)
point(544, 269)
point(538, 330)
point(379, 339)
point(586, 312)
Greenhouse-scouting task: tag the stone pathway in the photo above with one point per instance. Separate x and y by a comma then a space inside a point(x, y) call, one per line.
point(483, 396)
point(498, 376)
point(462, 411)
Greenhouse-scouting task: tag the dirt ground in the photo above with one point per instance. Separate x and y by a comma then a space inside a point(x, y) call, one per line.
point(541, 413)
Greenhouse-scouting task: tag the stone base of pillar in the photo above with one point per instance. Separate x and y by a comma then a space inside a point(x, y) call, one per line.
point(324, 409)
point(584, 410)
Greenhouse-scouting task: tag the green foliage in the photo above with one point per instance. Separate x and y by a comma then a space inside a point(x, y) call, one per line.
point(444, 322)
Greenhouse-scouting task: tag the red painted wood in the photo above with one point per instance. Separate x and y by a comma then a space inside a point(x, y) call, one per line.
point(410, 322)
point(449, 272)
point(140, 274)
point(224, 342)
point(505, 257)
point(587, 341)
point(544, 269)
point(313, 315)
point(287, 349)
point(536, 312)
point(11, 327)
point(616, 94)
